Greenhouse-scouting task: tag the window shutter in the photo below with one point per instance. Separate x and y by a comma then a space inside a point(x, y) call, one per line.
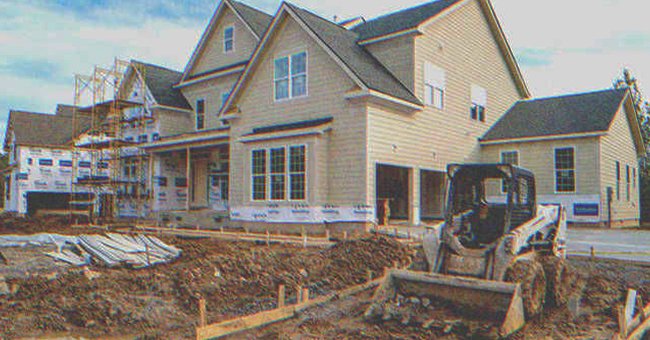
point(479, 95)
point(434, 76)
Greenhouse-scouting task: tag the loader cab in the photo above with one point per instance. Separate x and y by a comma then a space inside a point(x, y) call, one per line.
point(485, 201)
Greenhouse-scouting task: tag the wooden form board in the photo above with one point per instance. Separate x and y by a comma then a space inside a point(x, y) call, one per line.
point(239, 236)
point(265, 318)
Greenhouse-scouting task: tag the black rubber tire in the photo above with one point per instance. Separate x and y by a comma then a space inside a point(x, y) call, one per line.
point(531, 276)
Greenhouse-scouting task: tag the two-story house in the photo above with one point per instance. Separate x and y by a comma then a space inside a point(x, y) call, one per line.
point(301, 123)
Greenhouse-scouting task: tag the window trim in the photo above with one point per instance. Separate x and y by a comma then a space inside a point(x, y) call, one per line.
point(289, 77)
point(627, 182)
point(196, 114)
point(286, 174)
point(475, 103)
point(501, 152)
point(617, 175)
point(575, 170)
point(223, 36)
point(304, 173)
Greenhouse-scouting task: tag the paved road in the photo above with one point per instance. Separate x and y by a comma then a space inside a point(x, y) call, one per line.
point(623, 244)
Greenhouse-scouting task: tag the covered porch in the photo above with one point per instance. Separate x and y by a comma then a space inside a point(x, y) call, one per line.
point(190, 176)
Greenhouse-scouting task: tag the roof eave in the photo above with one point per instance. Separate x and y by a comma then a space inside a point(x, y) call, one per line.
point(484, 142)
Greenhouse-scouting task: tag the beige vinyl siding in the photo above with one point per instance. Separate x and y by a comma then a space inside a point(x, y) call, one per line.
point(171, 122)
point(538, 157)
point(212, 56)
point(340, 169)
point(210, 91)
point(462, 44)
point(618, 145)
point(397, 55)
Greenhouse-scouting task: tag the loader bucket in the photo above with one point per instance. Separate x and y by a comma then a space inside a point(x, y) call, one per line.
point(500, 302)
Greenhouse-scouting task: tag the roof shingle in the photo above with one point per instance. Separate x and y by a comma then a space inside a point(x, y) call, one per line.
point(161, 81)
point(31, 128)
point(563, 115)
point(256, 19)
point(344, 44)
point(401, 20)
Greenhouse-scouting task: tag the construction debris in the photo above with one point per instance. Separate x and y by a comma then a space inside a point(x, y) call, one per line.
point(111, 250)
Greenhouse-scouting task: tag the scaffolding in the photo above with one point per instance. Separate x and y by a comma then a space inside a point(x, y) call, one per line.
point(103, 109)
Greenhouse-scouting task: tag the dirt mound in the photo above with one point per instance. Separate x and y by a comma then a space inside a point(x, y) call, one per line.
point(235, 279)
point(11, 223)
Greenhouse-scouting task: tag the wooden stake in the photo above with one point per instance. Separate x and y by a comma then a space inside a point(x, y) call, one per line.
point(268, 238)
point(299, 294)
point(304, 241)
point(202, 319)
point(305, 295)
point(345, 235)
point(369, 275)
point(593, 253)
point(280, 296)
point(327, 235)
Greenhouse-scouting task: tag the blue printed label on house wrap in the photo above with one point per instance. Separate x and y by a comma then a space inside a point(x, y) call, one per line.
point(585, 209)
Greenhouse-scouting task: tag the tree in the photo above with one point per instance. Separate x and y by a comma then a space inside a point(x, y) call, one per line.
point(627, 81)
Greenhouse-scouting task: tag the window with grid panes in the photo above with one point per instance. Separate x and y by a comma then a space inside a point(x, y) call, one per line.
point(297, 187)
point(290, 76)
point(277, 173)
point(228, 39)
point(258, 171)
point(565, 180)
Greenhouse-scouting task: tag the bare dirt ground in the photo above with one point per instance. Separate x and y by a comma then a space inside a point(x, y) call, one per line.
point(235, 278)
point(241, 278)
point(600, 285)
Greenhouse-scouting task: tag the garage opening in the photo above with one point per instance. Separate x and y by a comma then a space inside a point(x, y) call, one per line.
point(433, 188)
point(51, 201)
point(392, 192)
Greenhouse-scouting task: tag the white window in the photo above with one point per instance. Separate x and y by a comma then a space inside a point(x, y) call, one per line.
point(224, 98)
point(618, 181)
point(200, 114)
point(565, 174)
point(479, 102)
point(290, 76)
point(508, 157)
point(228, 39)
point(258, 171)
point(434, 85)
point(627, 182)
point(297, 180)
point(278, 171)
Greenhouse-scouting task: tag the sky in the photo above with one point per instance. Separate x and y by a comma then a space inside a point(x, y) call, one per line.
point(562, 46)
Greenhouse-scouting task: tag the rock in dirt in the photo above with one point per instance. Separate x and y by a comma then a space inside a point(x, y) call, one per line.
point(4, 288)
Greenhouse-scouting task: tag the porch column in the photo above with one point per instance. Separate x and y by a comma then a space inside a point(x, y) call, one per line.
point(414, 196)
point(188, 180)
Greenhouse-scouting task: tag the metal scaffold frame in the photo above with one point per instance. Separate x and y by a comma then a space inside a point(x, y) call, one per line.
point(98, 144)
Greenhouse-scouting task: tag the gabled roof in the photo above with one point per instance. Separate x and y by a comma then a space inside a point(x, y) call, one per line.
point(564, 115)
point(160, 81)
point(256, 21)
point(343, 43)
point(402, 20)
point(42, 129)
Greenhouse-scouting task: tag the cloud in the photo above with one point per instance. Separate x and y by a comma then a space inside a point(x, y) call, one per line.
point(562, 46)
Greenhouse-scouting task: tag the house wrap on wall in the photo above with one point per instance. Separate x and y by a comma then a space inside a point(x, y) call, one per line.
point(298, 122)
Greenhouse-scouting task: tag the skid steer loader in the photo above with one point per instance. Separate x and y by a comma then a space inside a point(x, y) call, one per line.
point(488, 253)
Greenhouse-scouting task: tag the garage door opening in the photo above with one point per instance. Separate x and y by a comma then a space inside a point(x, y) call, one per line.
point(52, 201)
point(392, 191)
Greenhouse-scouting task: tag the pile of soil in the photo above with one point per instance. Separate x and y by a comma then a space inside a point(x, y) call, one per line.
point(599, 287)
point(234, 278)
point(14, 224)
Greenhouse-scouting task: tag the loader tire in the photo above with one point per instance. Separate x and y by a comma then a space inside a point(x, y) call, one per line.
point(530, 274)
point(558, 280)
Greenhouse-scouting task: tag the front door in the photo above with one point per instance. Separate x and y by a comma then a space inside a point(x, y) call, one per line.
point(199, 179)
